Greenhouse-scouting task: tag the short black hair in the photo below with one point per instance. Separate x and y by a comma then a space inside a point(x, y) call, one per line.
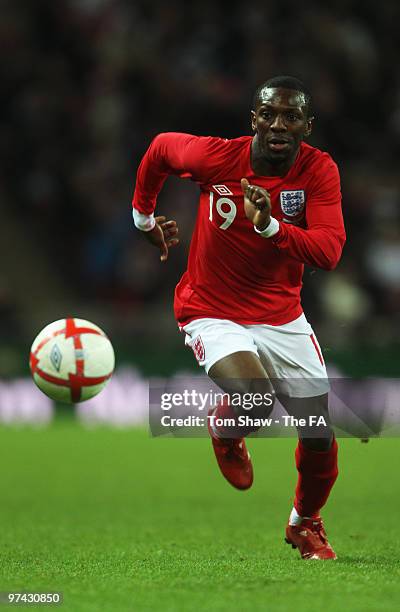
point(287, 82)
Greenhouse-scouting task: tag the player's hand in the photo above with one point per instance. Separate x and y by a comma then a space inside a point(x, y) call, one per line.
point(257, 204)
point(163, 236)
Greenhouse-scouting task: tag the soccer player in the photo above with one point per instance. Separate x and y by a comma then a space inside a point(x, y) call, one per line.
point(269, 203)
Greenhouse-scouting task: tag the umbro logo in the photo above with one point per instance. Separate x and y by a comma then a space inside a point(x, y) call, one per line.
point(222, 190)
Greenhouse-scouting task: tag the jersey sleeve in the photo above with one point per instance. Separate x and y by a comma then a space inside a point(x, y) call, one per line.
point(172, 153)
point(321, 244)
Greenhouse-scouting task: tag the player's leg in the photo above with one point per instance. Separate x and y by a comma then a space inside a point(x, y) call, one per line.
point(316, 454)
point(316, 463)
point(311, 416)
point(228, 354)
point(242, 375)
point(296, 356)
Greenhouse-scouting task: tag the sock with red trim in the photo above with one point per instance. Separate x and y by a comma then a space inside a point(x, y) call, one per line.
point(317, 475)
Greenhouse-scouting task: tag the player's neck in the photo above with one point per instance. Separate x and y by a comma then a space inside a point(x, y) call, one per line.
point(261, 166)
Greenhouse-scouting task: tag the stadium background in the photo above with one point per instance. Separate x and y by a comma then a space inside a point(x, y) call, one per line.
point(86, 84)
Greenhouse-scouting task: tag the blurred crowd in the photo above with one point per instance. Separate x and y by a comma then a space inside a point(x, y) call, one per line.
point(88, 83)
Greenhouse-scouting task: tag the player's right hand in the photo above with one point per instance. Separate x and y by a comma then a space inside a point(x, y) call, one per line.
point(257, 204)
point(163, 236)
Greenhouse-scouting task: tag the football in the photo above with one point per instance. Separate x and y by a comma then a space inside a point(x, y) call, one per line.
point(71, 360)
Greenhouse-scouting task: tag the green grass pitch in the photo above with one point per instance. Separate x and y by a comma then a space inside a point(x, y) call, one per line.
point(118, 521)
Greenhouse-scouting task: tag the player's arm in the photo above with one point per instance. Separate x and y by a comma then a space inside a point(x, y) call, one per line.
point(169, 154)
point(321, 244)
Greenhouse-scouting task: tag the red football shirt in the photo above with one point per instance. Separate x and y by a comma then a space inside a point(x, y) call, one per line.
point(234, 273)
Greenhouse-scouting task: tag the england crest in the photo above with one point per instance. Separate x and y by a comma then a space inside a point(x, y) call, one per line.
point(198, 349)
point(292, 202)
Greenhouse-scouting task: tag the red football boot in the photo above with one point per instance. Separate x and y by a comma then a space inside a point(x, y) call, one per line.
point(233, 459)
point(310, 538)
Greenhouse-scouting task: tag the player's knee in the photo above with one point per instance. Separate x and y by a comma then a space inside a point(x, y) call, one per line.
point(256, 398)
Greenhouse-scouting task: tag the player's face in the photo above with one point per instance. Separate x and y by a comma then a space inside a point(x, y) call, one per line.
point(281, 122)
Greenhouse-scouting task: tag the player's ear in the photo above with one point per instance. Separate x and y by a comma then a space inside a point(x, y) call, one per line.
point(253, 121)
point(309, 126)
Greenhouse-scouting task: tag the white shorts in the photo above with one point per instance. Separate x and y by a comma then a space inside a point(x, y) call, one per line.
point(289, 353)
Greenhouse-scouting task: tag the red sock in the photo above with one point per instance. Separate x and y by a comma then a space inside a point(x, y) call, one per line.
point(317, 474)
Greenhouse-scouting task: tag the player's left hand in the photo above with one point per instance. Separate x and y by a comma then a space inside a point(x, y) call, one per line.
point(257, 204)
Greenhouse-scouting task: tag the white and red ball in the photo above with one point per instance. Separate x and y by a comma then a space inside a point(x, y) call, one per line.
point(71, 360)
